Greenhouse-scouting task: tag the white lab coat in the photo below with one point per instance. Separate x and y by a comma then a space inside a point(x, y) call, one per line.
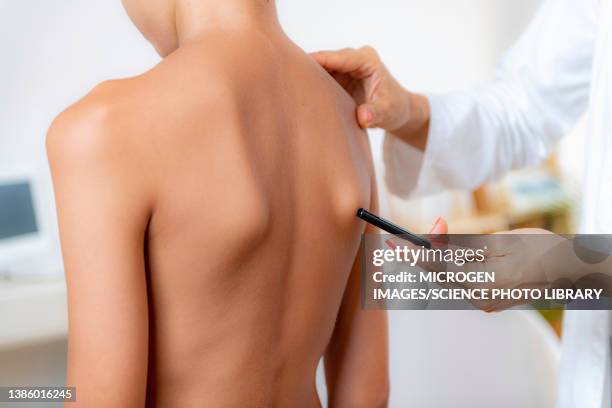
point(560, 68)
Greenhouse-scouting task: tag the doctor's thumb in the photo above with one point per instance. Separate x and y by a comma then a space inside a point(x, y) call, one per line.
point(437, 235)
point(440, 227)
point(369, 116)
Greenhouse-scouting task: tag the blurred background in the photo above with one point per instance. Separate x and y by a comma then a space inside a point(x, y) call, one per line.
point(55, 51)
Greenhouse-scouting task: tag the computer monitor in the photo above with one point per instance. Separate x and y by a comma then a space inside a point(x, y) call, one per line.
point(23, 235)
point(17, 214)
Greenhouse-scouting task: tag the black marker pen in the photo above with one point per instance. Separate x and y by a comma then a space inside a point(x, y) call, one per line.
point(391, 228)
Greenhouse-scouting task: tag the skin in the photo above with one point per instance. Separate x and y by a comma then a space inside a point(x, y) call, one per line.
point(207, 217)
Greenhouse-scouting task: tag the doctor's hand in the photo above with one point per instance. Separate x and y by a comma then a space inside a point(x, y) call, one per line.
point(536, 261)
point(516, 263)
point(381, 101)
point(524, 259)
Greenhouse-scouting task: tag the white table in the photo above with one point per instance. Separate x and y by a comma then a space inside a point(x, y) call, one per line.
point(32, 312)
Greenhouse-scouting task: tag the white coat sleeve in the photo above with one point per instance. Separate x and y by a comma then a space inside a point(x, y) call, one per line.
point(540, 91)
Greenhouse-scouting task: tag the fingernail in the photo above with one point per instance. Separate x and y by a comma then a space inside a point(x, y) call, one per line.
point(437, 222)
point(390, 243)
point(369, 116)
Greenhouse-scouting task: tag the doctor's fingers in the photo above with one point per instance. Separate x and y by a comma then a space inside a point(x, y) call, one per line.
point(437, 236)
point(438, 239)
point(359, 63)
